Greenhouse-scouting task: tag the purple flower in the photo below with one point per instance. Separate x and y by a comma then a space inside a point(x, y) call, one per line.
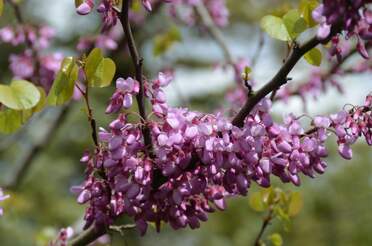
point(85, 7)
point(122, 98)
point(353, 17)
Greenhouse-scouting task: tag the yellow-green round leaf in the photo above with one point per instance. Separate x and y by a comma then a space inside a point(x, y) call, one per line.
point(276, 239)
point(256, 202)
point(295, 204)
point(294, 23)
point(19, 95)
point(104, 74)
point(99, 70)
point(314, 57)
point(274, 26)
point(307, 7)
point(42, 102)
point(92, 62)
point(63, 85)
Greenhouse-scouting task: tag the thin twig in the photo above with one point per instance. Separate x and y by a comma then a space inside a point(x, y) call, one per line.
point(138, 65)
point(91, 119)
point(265, 224)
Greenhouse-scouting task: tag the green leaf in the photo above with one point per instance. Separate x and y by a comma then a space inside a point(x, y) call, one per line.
point(306, 9)
point(281, 214)
point(42, 102)
point(295, 204)
point(276, 239)
point(256, 202)
point(10, 121)
point(247, 70)
point(92, 62)
point(314, 57)
point(274, 26)
point(104, 74)
point(294, 23)
point(63, 85)
point(163, 42)
point(19, 95)
point(99, 70)
point(245, 74)
point(268, 196)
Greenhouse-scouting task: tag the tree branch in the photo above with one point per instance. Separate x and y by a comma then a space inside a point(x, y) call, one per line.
point(278, 80)
point(87, 236)
point(138, 63)
point(92, 121)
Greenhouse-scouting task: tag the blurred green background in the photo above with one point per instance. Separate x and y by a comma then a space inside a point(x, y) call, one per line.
point(336, 207)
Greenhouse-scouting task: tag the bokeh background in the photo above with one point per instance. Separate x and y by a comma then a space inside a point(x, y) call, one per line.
point(337, 205)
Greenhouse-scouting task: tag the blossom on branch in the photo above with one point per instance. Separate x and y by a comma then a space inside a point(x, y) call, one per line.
point(198, 160)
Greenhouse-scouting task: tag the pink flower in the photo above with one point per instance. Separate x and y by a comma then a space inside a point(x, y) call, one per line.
point(85, 7)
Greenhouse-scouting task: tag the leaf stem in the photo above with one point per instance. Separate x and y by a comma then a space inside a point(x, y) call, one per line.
point(91, 119)
point(266, 222)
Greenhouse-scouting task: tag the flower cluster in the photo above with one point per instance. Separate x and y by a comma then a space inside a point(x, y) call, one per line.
point(349, 126)
point(31, 64)
point(198, 160)
point(354, 17)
